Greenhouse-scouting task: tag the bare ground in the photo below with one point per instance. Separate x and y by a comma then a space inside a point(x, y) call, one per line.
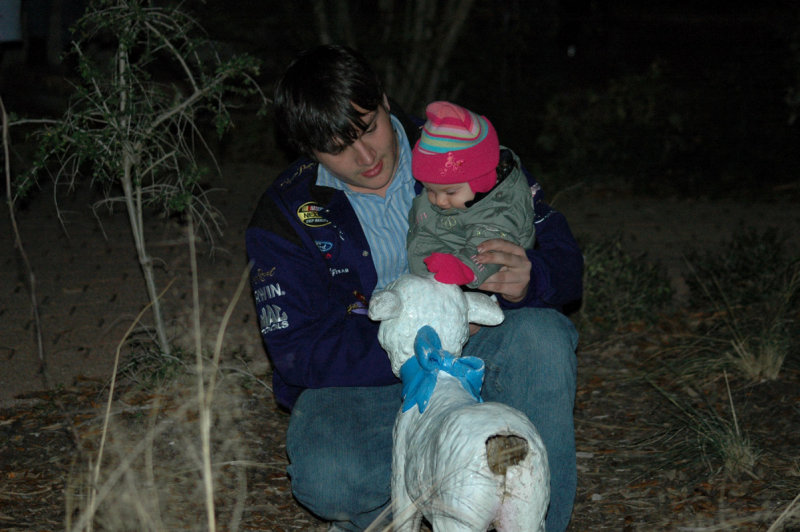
point(635, 472)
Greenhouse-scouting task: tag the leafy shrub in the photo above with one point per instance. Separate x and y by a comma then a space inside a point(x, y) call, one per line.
point(620, 288)
point(704, 434)
point(751, 268)
point(750, 292)
point(152, 370)
point(147, 75)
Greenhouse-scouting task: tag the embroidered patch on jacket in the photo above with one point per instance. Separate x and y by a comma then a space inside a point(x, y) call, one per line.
point(310, 214)
point(259, 276)
point(360, 306)
point(323, 245)
point(298, 172)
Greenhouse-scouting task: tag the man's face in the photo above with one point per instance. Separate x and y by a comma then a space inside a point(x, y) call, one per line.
point(453, 196)
point(368, 164)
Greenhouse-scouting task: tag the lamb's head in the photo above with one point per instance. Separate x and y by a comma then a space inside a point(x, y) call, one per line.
point(413, 301)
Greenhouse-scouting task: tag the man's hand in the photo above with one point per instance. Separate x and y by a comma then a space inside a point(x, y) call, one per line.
point(511, 282)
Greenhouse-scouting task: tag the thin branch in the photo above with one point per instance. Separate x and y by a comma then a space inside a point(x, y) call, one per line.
point(27, 121)
point(223, 327)
point(188, 102)
point(323, 26)
point(203, 397)
point(178, 56)
point(93, 501)
point(791, 509)
point(18, 244)
point(457, 15)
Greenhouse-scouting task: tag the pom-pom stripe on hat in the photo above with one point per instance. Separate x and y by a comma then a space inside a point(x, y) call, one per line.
point(443, 138)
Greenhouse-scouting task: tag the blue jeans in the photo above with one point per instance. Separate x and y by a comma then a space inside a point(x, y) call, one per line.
point(339, 440)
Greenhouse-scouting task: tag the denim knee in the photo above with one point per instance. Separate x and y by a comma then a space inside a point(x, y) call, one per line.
point(533, 350)
point(339, 446)
point(312, 470)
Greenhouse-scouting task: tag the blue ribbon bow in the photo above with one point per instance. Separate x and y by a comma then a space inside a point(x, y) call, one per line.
point(419, 373)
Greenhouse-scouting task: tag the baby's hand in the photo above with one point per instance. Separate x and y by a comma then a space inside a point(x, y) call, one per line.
point(448, 269)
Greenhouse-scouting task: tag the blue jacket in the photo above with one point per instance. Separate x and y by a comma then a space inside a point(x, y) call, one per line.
point(312, 276)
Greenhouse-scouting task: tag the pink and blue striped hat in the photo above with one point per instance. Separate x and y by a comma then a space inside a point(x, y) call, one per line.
point(456, 146)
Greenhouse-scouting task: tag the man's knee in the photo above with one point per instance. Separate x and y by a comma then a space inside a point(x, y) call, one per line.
point(340, 465)
point(530, 361)
point(543, 327)
point(543, 338)
point(313, 468)
point(312, 474)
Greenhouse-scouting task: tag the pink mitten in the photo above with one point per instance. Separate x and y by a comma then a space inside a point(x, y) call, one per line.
point(448, 269)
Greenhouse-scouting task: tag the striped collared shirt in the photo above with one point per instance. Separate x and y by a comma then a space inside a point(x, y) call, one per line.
point(384, 220)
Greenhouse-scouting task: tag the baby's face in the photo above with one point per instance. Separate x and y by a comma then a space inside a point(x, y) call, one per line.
point(452, 196)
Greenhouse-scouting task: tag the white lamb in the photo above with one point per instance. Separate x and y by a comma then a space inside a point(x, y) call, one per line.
point(463, 464)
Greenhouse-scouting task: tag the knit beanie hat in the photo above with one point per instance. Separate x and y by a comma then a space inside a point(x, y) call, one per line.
point(456, 146)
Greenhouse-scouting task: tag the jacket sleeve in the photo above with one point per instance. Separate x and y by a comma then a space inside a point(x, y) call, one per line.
point(420, 242)
point(315, 330)
point(556, 260)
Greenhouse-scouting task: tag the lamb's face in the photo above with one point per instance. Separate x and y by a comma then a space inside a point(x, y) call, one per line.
point(413, 301)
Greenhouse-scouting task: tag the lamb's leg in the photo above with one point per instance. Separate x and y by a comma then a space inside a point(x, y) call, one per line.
point(405, 515)
point(448, 524)
point(527, 491)
point(524, 508)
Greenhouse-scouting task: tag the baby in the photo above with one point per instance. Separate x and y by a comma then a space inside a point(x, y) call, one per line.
point(475, 190)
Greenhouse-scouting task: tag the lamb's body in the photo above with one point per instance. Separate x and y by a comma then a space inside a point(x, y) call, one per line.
point(448, 477)
point(463, 464)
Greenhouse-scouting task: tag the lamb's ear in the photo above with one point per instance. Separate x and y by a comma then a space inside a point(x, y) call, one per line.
point(384, 305)
point(483, 310)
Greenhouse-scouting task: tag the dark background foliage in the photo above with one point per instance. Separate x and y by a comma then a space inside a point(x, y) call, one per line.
point(668, 97)
point(674, 98)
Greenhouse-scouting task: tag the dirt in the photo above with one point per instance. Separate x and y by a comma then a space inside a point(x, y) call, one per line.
point(89, 289)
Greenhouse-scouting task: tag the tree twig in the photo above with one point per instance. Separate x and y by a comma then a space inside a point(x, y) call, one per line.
point(18, 244)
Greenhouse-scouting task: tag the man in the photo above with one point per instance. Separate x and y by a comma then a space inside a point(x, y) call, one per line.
point(329, 232)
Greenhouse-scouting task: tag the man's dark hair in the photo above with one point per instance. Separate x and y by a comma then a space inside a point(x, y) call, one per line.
point(314, 99)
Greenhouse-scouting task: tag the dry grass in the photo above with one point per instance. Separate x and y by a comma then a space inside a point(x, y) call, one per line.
point(646, 464)
point(638, 463)
point(152, 476)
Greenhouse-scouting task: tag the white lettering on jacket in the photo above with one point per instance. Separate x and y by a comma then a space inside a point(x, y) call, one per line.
point(265, 293)
point(272, 318)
